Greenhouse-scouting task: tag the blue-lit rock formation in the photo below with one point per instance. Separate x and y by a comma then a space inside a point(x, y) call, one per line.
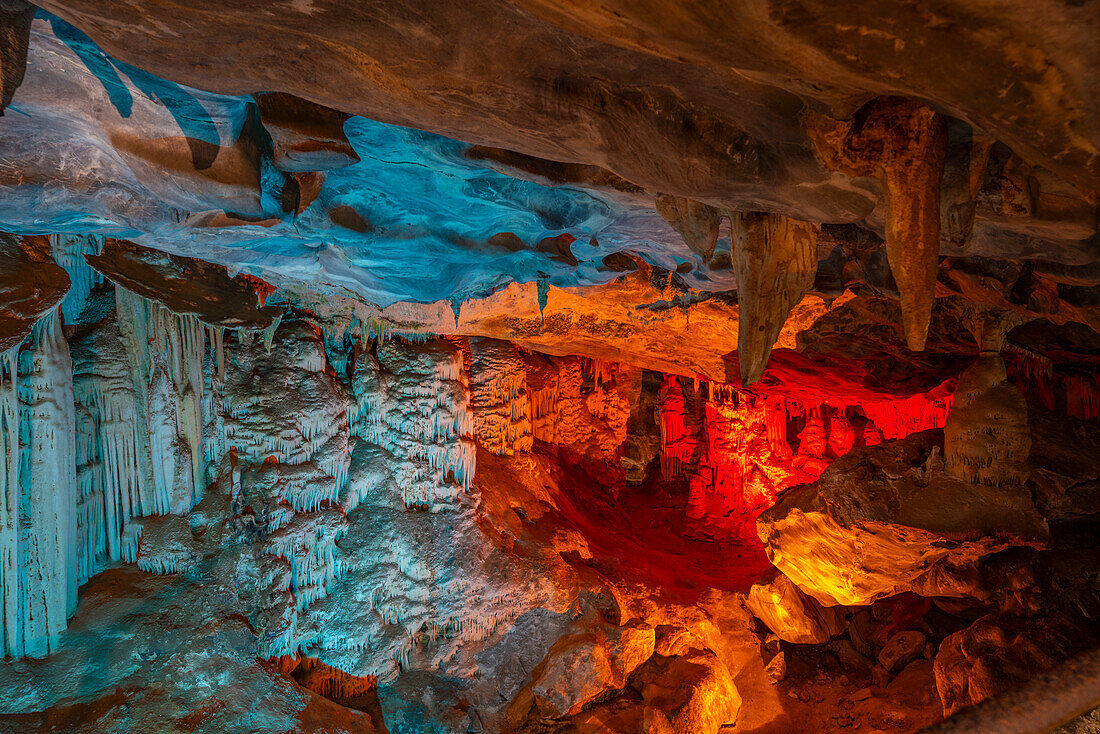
point(38, 550)
point(191, 172)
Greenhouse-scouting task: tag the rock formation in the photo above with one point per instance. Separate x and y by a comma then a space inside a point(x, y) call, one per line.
point(15, 31)
point(890, 519)
point(986, 438)
point(775, 262)
point(548, 367)
point(902, 143)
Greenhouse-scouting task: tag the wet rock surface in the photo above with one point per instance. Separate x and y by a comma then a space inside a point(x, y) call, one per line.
point(31, 285)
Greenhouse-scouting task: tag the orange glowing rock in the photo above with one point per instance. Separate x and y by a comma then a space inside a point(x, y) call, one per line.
point(888, 519)
point(692, 694)
point(581, 667)
point(792, 615)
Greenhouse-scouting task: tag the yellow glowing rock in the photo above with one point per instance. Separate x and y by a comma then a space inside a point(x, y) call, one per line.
point(888, 519)
point(792, 615)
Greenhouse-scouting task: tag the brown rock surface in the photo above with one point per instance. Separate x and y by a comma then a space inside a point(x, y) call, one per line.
point(775, 259)
point(306, 136)
point(986, 438)
point(988, 657)
point(187, 285)
point(31, 284)
point(15, 31)
point(729, 105)
point(903, 143)
point(901, 649)
point(696, 222)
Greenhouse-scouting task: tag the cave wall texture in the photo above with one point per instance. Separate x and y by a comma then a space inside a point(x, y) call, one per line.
point(511, 366)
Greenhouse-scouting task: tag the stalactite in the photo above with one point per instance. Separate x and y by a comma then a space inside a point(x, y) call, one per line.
point(1082, 396)
point(738, 456)
point(113, 463)
point(813, 441)
point(775, 260)
point(677, 441)
point(330, 682)
point(167, 352)
point(38, 564)
point(68, 251)
point(542, 289)
point(903, 143)
point(1033, 373)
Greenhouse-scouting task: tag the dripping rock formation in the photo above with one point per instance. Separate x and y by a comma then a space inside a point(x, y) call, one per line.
point(535, 367)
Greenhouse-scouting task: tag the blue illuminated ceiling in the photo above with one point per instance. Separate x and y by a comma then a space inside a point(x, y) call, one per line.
point(93, 145)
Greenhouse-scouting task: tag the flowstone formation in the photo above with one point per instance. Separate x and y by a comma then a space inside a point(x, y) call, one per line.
point(549, 368)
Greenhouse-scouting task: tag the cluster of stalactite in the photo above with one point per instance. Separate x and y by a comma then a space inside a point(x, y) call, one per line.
point(739, 449)
point(1075, 392)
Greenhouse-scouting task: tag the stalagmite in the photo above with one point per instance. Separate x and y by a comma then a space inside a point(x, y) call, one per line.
point(986, 438)
point(775, 259)
point(38, 569)
point(413, 401)
point(113, 460)
point(903, 143)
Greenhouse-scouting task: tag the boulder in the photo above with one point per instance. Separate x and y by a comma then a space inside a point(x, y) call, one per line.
point(776, 669)
point(888, 519)
point(792, 615)
point(694, 692)
point(581, 667)
point(989, 657)
point(902, 649)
